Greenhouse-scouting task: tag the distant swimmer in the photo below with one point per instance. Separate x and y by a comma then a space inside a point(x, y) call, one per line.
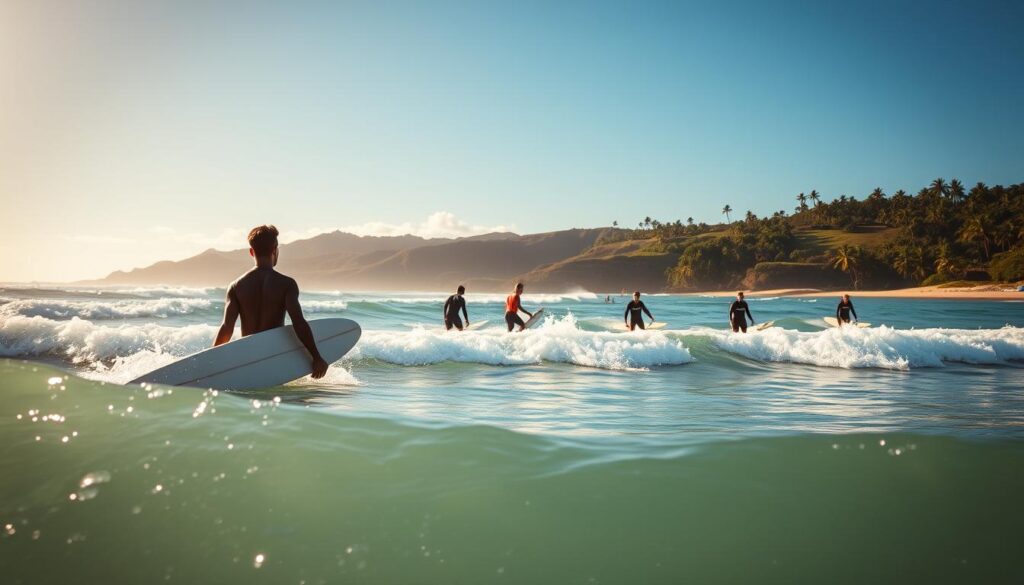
point(513, 305)
point(451, 310)
point(633, 315)
point(844, 310)
point(738, 312)
point(262, 296)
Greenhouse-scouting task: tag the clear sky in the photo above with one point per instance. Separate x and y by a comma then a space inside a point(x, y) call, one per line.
point(134, 131)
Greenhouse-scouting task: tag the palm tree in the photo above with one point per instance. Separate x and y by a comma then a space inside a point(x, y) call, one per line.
point(976, 230)
point(944, 263)
point(939, 188)
point(615, 223)
point(956, 191)
point(727, 210)
point(803, 201)
point(647, 221)
point(908, 262)
point(689, 221)
point(814, 197)
point(876, 195)
point(847, 259)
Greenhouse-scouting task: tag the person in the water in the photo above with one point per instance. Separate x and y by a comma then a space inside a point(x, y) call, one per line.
point(738, 312)
point(844, 310)
point(634, 313)
point(513, 305)
point(263, 295)
point(452, 307)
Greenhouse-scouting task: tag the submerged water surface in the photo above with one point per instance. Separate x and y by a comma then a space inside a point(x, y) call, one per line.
point(573, 453)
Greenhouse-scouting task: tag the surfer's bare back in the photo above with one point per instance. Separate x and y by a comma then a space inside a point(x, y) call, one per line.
point(263, 295)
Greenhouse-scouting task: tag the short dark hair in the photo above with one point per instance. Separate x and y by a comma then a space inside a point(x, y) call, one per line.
point(519, 285)
point(461, 289)
point(636, 293)
point(263, 239)
point(740, 293)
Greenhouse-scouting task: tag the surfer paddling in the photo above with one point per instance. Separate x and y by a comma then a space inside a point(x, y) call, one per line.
point(738, 312)
point(634, 313)
point(844, 309)
point(452, 307)
point(513, 305)
point(263, 295)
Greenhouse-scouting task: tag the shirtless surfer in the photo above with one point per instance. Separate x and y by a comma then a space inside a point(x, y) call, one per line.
point(513, 305)
point(263, 295)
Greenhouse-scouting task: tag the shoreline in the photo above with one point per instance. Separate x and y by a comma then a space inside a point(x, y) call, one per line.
point(985, 292)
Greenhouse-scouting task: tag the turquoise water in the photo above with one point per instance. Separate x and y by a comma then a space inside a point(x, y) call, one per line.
point(573, 453)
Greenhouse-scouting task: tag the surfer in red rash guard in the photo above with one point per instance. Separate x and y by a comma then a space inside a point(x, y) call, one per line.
point(263, 295)
point(514, 304)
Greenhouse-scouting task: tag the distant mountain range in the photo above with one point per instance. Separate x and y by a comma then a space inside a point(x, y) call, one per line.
point(550, 262)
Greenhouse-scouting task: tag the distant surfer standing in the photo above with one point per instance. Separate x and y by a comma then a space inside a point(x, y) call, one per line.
point(634, 313)
point(513, 305)
point(452, 307)
point(263, 295)
point(844, 309)
point(738, 312)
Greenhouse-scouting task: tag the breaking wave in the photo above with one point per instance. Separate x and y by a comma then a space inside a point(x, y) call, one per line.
point(879, 347)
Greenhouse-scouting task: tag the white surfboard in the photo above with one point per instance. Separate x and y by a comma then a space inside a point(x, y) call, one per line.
point(654, 325)
point(534, 320)
point(266, 359)
point(764, 326)
point(833, 322)
point(476, 324)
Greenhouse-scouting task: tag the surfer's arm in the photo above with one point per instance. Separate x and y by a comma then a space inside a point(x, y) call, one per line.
point(465, 313)
point(853, 312)
point(446, 305)
point(303, 330)
point(227, 326)
point(646, 310)
point(625, 315)
point(749, 315)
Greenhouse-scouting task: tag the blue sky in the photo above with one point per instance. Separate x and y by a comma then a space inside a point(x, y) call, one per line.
point(141, 131)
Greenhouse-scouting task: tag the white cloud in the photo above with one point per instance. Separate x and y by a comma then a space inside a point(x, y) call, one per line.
point(440, 224)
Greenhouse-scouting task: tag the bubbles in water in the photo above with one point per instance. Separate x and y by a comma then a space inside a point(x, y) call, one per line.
point(94, 478)
point(257, 562)
point(54, 380)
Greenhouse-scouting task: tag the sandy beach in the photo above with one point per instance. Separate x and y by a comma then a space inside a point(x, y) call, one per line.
point(981, 292)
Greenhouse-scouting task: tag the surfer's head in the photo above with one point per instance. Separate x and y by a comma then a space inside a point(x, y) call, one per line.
point(636, 295)
point(519, 288)
point(263, 242)
point(461, 289)
point(846, 297)
point(739, 295)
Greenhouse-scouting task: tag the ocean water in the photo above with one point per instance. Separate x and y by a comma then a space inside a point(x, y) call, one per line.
point(575, 452)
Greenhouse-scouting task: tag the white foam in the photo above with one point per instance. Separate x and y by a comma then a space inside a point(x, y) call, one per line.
point(877, 347)
point(132, 309)
point(100, 347)
point(310, 306)
point(556, 340)
point(472, 298)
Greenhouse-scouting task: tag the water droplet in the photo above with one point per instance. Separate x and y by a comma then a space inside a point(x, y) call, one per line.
point(54, 380)
point(258, 560)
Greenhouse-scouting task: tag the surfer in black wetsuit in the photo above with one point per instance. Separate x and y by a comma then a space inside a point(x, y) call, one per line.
point(634, 310)
point(263, 295)
point(452, 307)
point(844, 310)
point(738, 311)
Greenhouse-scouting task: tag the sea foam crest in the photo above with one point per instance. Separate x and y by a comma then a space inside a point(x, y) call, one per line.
point(556, 340)
point(133, 309)
point(878, 347)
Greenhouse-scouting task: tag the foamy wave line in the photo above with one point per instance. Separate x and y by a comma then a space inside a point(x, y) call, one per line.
point(57, 309)
point(557, 340)
point(877, 347)
point(323, 306)
point(528, 299)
